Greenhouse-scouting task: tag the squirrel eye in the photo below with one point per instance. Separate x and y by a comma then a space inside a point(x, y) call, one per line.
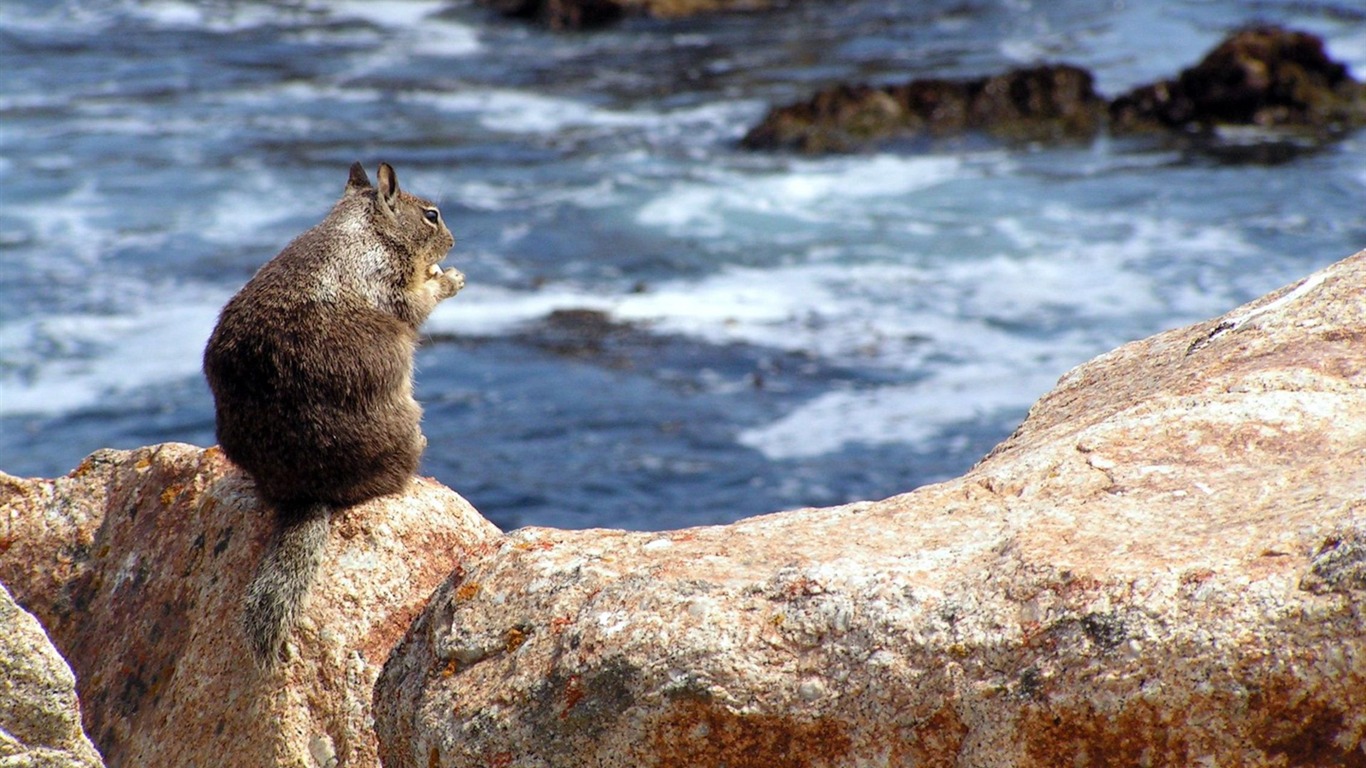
point(431, 214)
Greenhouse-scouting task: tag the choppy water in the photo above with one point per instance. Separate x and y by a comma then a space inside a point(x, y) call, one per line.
point(794, 331)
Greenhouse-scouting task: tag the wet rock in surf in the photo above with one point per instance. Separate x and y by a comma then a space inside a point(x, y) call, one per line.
point(580, 14)
point(1278, 82)
point(1266, 77)
point(585, 333)
point(1047, 103)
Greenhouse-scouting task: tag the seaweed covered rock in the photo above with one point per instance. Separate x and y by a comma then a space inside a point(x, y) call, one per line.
point(578, 14)
point(1267, 77)
point(1046, 103)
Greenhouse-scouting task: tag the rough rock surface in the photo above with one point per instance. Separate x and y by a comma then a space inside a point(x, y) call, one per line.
point(1041, 103)
point(40, 719)
point(577, 14)
point(1266, 78)
point(1165, 565)
point(136, 563)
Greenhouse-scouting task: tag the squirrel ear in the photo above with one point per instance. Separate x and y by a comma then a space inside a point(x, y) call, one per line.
point(388, 184)
point(358, 179)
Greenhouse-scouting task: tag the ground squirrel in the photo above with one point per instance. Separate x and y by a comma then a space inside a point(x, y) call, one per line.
point(311, 371)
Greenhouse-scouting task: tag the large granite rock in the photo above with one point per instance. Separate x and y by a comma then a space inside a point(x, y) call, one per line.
point(1165, 565)
point(40, 719)
point(136, 563)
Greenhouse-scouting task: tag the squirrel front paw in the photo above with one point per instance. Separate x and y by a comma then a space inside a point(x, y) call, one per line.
point(447, 283)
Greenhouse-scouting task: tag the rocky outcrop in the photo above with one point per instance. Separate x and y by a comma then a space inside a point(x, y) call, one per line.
point(1165, 565)
point(136, 564)
point(40, 719)
point(1265, 78)
point(1050, 103)
point(578, 14)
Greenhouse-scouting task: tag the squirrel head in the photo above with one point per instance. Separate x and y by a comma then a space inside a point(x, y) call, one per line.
point(412, 225)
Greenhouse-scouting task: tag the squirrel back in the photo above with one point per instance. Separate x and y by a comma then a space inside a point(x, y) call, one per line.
point(311, 371)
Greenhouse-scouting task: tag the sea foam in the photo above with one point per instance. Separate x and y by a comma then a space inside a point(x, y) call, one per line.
point(979, 335)
point(509, 110)
point(88, 358)
point(806, 191)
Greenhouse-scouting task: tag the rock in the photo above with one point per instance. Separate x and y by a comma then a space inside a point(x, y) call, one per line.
point(136, 563)
point(40, 719)
point(1162, 566)
point(577, 14)
point(1266, 77)
point(581, 333)
point(561, 14)
point(1047, 103)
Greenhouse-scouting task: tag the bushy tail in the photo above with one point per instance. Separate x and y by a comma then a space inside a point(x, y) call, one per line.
point(278, 588)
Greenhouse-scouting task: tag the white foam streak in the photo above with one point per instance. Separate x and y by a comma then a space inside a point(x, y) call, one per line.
point(982, 334)
point(386, 13)
point(21, 18)
point(524, 112)
point(100, 356)
point(410, 22)
point(214, 17)
point(482, 310)
point(414, 28)
point(898, 414)
point(992, 372)
point(1349, 47)
point(809, 191)
point(241, 215)
point(817, 308)
point(836, 311)
point(840, 313)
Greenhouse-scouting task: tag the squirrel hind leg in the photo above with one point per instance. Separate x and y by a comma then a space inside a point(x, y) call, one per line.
point(282, 580)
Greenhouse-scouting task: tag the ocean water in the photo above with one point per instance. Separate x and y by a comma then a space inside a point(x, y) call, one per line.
point(770, 331)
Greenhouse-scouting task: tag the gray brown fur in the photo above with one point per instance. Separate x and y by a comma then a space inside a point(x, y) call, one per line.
point(311, 371)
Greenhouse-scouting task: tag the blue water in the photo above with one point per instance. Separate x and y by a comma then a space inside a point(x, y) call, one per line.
point(786, 331)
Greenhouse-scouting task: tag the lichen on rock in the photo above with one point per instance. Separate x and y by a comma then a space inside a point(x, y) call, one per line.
point(136, 563)
point(1161, 566)
point(40, 718)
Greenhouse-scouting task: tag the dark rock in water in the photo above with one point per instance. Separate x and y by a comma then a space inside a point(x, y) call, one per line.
point(1270, 80)
point(589, 335)
point(581, 333)
point(579, 14)
point(561, 14)
point(1265, 77)
point(836, 119)
point(1047, 103)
